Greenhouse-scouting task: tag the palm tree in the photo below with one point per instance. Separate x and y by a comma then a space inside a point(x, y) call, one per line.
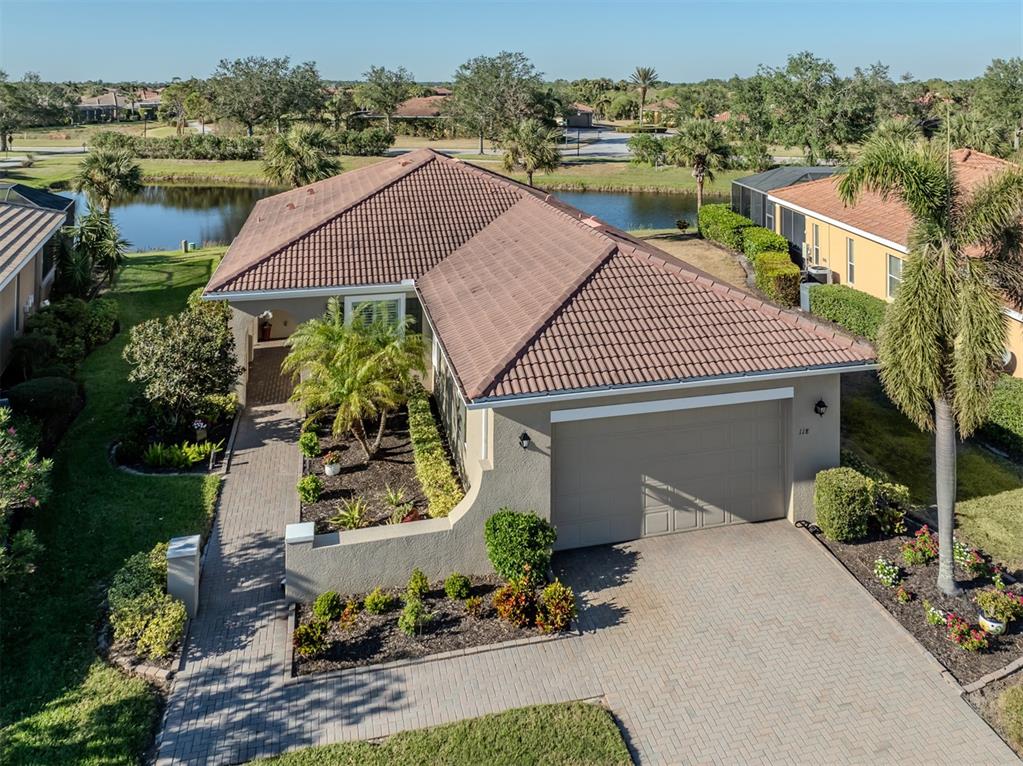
point(643, 78)
point(105, 175)
point(301, 156)
point(97, 248)
point(701, 145)
point(941, 344)
point(531, 146)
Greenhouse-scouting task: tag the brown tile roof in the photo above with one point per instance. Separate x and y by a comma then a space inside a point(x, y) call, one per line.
point(888, 219)
point(664, 105)
point(528, 295)
point(22, 230)
point(422, 106)
point(581, 108)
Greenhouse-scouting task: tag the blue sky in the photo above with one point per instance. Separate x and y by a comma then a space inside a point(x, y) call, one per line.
point(685, 41)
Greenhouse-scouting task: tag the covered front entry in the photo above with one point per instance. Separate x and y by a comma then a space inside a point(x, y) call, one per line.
point(630, 476)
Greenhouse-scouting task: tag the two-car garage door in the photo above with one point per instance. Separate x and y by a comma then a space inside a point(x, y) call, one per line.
point(624, 477)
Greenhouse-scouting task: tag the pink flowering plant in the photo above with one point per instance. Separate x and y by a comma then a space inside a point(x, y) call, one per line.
point(24, 483)
point(922, 549)
point(967, 637)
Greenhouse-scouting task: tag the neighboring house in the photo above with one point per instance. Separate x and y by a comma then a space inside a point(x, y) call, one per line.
point(581, 373)
point(656, 110)
point(865, 244)
point(421, 107)
point(749, 193)
point(29, 236)
point(579, 116)
point(114, 105)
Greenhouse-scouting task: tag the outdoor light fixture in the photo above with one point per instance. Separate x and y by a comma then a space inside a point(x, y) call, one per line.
point(820, 408)
point(524, 440)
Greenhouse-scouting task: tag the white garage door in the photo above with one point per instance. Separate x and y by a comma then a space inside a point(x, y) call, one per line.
point(621, 478)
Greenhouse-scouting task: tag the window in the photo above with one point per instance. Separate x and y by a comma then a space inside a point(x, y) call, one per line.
point(769, 216)
point(376, 308)
point(850, 262)
point(816, 244)
point(894, 274)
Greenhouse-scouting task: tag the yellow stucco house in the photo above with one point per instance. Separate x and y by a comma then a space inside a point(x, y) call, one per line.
point(864, 244)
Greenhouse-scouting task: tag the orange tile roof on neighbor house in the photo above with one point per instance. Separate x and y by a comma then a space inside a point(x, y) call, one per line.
point(887, 219)
point(422, 106)
point(526, 294)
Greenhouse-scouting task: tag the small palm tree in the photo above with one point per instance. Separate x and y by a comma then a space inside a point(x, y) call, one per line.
point(97, 249)
point(941, 344)
point(106, 175)
point(644, 78)
point(301, 156)
point(531, 146)
point(701, 145)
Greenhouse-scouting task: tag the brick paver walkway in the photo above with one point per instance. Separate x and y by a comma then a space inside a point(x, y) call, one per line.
point(745, 644)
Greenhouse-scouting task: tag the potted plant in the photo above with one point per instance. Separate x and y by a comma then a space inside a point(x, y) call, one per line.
point(265, 326)
point(332, 463)
point(200, 427)
point(997, 609)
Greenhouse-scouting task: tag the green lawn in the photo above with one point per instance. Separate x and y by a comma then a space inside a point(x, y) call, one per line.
point(995, 525)
point(545, 735)
point(622, 175)
point(60, 703)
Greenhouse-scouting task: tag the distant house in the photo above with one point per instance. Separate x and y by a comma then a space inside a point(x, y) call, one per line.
point(579, 115)
point(749, 193)
point(421, 107)
point(656, 110)
point(114, 105)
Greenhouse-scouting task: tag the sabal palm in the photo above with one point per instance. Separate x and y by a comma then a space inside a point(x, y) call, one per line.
point(644, 78)
point(105, 175)
point(702, 146)
point(531, 146)
point(940, 348)
point(301, 156)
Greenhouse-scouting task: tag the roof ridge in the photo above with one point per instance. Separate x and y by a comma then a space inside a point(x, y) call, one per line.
point(413, 165)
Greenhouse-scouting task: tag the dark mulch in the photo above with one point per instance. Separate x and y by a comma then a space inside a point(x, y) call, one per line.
point(966, 666)
point(218, 433)
point(375, 638)
point(985, 702)
point(393, 466)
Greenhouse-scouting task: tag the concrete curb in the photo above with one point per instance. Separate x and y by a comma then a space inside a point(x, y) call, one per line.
point(994, 675)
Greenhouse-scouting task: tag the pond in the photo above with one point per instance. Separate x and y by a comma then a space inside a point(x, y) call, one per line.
point(159, 217)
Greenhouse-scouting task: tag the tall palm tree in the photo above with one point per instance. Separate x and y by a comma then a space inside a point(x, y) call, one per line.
point(105, 175)
point(701, 145)
point(531, 146)
point(644, 78)
point(301, 156)
point(941, 344)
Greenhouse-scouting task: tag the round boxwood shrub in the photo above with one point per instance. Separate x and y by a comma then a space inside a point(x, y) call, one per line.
point(309, 444)
point(844, 499)
point(328, 606)
point(457, 586)
point(519, 545)
point(44, 398)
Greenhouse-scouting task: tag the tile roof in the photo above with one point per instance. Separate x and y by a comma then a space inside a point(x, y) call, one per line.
point(885, 218)
point(527, 295)
point(23, 229)
point(421, 106)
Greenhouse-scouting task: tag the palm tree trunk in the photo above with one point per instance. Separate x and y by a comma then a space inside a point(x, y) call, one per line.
point(699, 190)
point(529, 175)
point(380, 431)
point(945, 491)
point(359, 432)
point(481, 142)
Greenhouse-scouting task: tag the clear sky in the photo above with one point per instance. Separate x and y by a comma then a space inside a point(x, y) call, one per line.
point(153, 40)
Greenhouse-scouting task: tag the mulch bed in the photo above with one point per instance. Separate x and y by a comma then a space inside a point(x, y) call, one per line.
point(921, 582)
point(218, 433)
point(985, 702)
point(374, 638)
point(393, 466)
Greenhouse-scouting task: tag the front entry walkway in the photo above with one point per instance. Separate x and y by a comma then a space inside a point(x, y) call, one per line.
point(734, 645)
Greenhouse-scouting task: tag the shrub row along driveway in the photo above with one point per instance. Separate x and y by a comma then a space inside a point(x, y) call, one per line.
point(744, 644)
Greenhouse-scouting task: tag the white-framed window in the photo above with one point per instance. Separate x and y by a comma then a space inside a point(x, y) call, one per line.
point(894, 274)
point(816, 244)
point(850, 261)
point(769, 216)
point(386, 307)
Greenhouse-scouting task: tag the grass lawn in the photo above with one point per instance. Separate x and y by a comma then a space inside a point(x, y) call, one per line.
point(995, 525)
point(79, 135)
point(60, 703)
point(576, 733)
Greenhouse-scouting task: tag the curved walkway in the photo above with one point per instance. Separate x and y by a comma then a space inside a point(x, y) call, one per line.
point(746, 644)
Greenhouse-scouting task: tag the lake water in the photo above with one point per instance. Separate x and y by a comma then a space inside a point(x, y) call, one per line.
point(159, 217)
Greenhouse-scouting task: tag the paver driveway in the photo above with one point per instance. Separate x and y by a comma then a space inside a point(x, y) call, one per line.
point(739, 645)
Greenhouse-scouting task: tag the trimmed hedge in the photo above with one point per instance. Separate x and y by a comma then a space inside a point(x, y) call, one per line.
point(844, 499)
point(141, 612)
point(1005, 428)
point(777, 277)
point(44, 398)
point(371, 142)
point(193, 146)
point(433, 469)
point(519, 545)
point(757, 240)
point(718, 223)
point(858, 312)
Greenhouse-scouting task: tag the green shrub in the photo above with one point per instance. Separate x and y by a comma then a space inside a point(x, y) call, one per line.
point(328, 606)
point(556, 608)
point(1004, 428)
point(32, 353)
point(1000, 605)
point(163, 631)
point(718, 223)
point(378, 601)
point(159, 455)
point(309, 489)
point(353, 513)
point(933, 616)
point(141, 612)
point(143, 572)
point(457, 586)
point(100, 322)
point(1010, 712)
point(777, 277)
point(515, 601)
point(757, 240)
point(474, 607)
point(44, 398)
point(844, 501)
point(371, 142)
point(192, 146)
point(218, 408)
point(309, 444)
point(418, 586)
point(310, 638)
point(519, 545)
point(433, 469)
point(854, 310)
point(413, 617)
point(53, 371)
point(645, 148)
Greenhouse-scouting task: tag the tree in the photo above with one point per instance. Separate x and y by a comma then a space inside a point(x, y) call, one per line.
point(972, 130)
point(172, 107)
point(940, 347)
point(644, 78)
point(106, 175)
point(339, 107)
point(384, 89)
point(257, 90)
point(13, 110)
point(493, 92)
point(531, 146)
point(97, 249)
point(24, 484)
point(352, 370)
point(701, 145)
point(807, 93)
point(301, 156)
point(1000, 95)
point(646, 148)
point(199, 107)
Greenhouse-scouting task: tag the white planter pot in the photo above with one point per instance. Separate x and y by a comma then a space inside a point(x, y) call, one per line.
point(991, 625)
point(331, 469)
point(200, 434)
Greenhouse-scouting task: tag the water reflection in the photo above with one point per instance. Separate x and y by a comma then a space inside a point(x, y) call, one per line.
point(638, 210)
